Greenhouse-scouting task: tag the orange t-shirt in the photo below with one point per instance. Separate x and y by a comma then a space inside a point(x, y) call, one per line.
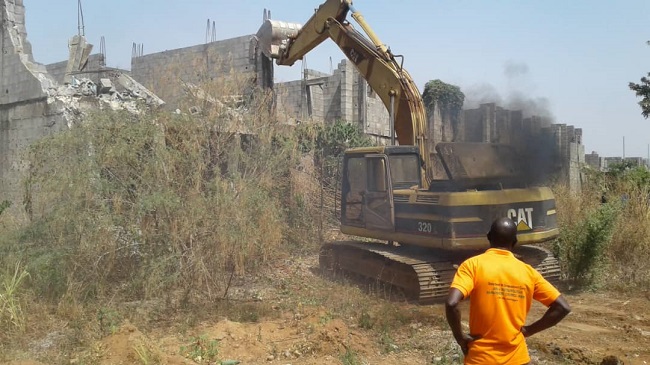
point(502, 289)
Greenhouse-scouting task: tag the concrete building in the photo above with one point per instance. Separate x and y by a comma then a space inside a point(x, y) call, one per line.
point(35, 103)
point(593, 160)
point(343, 95)
point(27, 112)
point(554, 151)
point(607, 162)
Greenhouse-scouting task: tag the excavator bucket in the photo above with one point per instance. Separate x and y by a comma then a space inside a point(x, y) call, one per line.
point(273, 36)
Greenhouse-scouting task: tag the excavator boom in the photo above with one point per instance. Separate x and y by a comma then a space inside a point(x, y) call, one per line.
point(374, 61)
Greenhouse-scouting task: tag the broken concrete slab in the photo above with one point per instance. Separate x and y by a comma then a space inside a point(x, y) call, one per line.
point(138, 90)
point(79, 52)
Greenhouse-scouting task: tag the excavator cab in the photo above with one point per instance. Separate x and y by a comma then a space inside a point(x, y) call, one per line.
point(370, 176)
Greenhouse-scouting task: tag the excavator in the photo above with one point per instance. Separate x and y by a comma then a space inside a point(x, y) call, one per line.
point(422, 225)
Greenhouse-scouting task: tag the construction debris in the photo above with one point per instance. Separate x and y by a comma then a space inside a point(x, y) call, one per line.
point(106, 86)
point(136, 90)
point(79, 52)
point(120, 92)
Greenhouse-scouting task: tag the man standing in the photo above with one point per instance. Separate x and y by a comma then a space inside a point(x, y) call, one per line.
point(502, 289)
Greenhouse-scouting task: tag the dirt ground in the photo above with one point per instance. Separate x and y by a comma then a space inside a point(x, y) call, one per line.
point(604, 328)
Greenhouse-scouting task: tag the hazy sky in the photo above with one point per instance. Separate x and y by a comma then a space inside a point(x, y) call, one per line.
point(572, 58)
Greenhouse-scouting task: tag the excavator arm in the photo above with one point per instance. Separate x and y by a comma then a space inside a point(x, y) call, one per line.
point(374, 61)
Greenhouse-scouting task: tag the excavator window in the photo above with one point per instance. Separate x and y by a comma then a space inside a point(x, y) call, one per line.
point(354, 188)
point(366, 186)
point(376, 174)
point(404, 171)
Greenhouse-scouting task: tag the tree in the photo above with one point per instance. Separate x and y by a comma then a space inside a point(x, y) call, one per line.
point(449, 99)
point(642, 90)
point(449, 96)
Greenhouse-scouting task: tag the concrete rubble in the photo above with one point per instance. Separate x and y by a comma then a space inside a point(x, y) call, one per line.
point(120, 93)
point(231, 108)
point(116, 91)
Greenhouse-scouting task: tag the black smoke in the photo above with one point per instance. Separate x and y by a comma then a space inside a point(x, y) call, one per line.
point(519, 93)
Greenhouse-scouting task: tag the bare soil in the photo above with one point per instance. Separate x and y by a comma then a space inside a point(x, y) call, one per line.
point(295, 316)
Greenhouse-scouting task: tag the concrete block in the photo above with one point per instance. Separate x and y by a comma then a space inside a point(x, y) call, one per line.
point(105, 86)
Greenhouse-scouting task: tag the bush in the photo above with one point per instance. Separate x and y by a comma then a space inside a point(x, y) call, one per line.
point(605, 230)
point(582, 247)
point(149, 205)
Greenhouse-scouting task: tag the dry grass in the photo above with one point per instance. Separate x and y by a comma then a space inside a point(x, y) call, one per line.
point(622, 260)
point(164, 207)
point(12, 317)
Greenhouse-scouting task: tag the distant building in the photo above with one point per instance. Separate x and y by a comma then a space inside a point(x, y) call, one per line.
point(593, 160)
point(607, 162)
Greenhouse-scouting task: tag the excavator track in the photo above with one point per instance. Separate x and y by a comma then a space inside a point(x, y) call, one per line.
point(424, 275)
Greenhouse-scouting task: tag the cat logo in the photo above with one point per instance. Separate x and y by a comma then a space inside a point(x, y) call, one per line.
point(523, 217)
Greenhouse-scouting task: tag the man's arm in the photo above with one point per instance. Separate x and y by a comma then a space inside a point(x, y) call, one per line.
point(452, 313)
point(554, 314)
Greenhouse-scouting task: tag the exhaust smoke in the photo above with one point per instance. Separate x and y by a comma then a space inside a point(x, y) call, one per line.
point(518, 95)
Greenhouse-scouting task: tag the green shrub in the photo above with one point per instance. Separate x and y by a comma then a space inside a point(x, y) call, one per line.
point(4, 205)
point(583, 246)
point(608, 243)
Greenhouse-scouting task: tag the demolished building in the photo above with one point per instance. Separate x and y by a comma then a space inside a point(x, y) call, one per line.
point(37, 100)
point(34, 103)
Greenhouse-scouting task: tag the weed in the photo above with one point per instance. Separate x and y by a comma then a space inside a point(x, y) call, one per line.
point(201, 349)
point(366, 321)
point(325, 318)
point(109, 320)
point(145, 355)
point(4, 205)
point(11, 311)
point(605, 230)
point(248, 312)
point(133, 205)
point(582, 247)
point(350, 357)
point(387, 342)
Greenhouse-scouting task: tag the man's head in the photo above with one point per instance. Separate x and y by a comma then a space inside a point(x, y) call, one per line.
point(503, 233)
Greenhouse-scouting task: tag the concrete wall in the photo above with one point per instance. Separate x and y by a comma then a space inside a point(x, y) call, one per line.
point(25, 114)
point(554, 151)
point(165, 72)
point(342, 95)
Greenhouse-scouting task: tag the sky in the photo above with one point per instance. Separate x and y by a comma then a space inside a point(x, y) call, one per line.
point(571, 60)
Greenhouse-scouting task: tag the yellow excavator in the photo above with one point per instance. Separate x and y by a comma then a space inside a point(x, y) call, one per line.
point(426, 224)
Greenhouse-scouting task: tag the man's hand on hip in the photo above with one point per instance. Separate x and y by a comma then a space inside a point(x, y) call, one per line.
point(464, 341)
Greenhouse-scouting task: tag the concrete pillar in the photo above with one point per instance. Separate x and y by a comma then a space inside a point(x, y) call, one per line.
point(347, 94)
point(489, 116)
